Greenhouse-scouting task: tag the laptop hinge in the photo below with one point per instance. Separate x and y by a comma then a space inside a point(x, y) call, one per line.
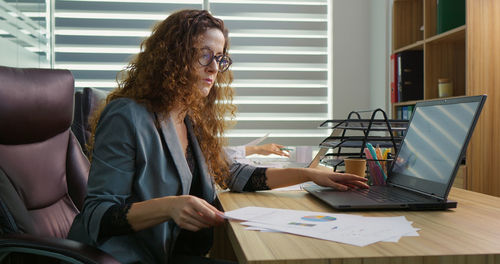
point(416, 191)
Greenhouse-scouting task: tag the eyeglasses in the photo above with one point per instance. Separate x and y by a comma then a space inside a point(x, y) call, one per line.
point(207, 56)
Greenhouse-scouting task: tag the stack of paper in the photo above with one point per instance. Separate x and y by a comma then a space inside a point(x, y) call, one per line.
point(344, 228)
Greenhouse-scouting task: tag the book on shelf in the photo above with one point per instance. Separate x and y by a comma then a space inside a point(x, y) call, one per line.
point(450, 14)
point(394, 78)
point(399, 113)
point(405, 112)
point(410, 111)
point(410, 83)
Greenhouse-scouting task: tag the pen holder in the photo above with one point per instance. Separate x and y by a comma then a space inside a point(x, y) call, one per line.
point(377, 171)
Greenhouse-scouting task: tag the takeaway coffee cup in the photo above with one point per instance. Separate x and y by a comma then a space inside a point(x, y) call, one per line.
point(355, 166)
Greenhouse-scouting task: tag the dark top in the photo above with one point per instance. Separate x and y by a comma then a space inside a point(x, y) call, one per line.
point(137, 156)
point(114, 221)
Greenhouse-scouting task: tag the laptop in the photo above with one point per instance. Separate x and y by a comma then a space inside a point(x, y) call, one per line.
point(424, 168)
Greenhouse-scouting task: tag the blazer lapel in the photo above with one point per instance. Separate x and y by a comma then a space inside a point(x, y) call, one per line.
point(205, 178)
point(172, 140)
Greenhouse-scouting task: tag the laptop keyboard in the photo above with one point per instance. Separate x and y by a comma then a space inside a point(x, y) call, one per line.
point(385, 195)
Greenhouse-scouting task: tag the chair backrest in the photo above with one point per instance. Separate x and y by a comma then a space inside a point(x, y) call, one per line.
point(43, 172)
point(87, 102)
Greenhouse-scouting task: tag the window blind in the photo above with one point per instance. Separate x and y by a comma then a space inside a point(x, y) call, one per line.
point(279, 48)
point(24, 22)
point(281, 68)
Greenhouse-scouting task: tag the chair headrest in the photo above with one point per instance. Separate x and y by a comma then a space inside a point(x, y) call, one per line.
point(36, 104)
point(92, 99)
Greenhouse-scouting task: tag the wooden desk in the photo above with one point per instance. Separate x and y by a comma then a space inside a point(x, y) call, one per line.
point(467, 234)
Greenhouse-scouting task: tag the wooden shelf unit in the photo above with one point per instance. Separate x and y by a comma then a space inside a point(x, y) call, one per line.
point(467, 55)
point(414, 28)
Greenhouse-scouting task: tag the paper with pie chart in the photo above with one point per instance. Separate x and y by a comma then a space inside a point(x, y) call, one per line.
point(313, 221)
point(345, 228)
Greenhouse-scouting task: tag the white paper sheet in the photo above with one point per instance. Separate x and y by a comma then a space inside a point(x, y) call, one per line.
point(258, 140)
point(344, 228)
point(296, 187)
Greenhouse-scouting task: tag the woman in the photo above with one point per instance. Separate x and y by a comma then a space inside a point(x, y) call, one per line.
point(157, 150)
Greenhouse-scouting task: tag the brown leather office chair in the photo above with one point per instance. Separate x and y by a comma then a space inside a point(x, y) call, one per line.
point(43, 172)
point(87, 102)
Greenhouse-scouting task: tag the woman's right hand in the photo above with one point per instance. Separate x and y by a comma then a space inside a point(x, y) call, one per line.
point(267, 149)
point(192, 213)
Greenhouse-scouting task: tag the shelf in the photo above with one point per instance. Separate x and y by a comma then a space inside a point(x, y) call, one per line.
point(468, 56)
point(416, 101)
point(395, 106)
point(398, 104)
point(419, 45)
point(444, 54)
point(453, 35)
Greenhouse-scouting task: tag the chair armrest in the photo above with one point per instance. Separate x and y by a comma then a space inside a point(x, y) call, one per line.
point(53, 247)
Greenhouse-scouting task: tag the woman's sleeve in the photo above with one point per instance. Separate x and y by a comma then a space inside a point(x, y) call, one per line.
point(244, 177)
point(114, 222)
point(112, 169)
point(239, 174)
point(257, 181)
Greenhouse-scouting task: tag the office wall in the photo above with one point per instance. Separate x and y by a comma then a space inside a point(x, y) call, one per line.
point(380, 48)
point(360, 52)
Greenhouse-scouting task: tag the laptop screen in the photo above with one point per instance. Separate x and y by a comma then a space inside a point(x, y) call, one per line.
point(435, 143)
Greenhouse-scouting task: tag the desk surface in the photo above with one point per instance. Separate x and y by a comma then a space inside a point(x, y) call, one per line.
point(467, 234)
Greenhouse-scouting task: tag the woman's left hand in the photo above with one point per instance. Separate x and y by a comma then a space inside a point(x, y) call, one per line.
point(336, 180)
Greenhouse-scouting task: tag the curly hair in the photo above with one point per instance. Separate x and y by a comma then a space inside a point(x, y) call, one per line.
point(162, 77)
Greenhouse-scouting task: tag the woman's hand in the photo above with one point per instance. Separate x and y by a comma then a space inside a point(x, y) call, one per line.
point(338, 181)
point(192, 213)
point(267, 149)
point(281, 177)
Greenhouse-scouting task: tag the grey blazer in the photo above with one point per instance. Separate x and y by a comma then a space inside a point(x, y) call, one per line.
point(134, 161)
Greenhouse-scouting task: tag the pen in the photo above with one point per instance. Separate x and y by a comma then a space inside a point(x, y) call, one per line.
point(380, 158)
point(378, 152)
point(385, 157)
point(385, 153)
point(286, 149)
point(374, 156)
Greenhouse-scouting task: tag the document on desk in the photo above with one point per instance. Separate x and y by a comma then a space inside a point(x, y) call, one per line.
point(264, 162)
point(344, 228)
point(257, 140)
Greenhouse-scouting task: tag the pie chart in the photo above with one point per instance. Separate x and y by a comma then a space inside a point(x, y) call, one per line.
point(319, 218)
